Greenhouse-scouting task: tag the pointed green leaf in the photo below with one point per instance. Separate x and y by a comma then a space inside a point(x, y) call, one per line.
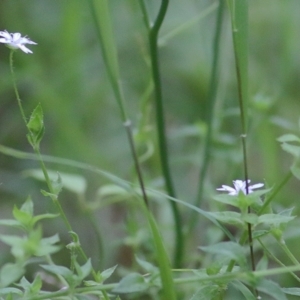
point(72, 182)
point(35, 126)
point(208, 292)
point(274, 219)
point(10, 273)
point(148, 267)
point(48, 246)
point(291, 291)
point(228, 250)
point(288, 138)
point(295, 170)
point(131, 283)
point(25, 213)
point(107, 273)
point(12, 223)
point(250, 218)
point(57, 184)
point(84, 270)
point(9, 290)
point(58, 270)
point(271, 288)
point(36, 285)
point(292, 149)
point(243, 289)
point(37, 218)
point(27, 206)
point(228, 217)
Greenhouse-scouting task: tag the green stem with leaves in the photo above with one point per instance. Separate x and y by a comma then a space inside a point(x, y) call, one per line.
point(35, 141)
point(239, 22)
point(160, 122)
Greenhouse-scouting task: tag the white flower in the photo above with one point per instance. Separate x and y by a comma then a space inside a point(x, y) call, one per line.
point(15, 41)
point(240, 185)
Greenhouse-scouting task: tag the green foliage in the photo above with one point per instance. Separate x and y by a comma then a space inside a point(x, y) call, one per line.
point(207, 75)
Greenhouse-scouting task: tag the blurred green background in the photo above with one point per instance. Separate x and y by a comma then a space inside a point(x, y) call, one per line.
point(67, 76)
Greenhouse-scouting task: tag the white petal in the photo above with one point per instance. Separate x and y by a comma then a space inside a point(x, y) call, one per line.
point(256, 186)
point(5, 34)
point(24, 49)
point(16, 36)
point(226, 188)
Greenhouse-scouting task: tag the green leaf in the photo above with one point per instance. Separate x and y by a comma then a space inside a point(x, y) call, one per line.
point(295, 169)
point(214, 268)
point(24, 215)
point(263, 263)
point(47, 246)
point(274, 219)
point(131, 283)
point(58, 270)
point(259, 233)
point(228, 217)
point(84, 270)
point(101, 277)
point(250, 218)
point(37, 218)
point(101, 17)
point(35, 126)
point(288, 138)
point(72, 182)
point(271, 288)
point(208, 292)
point(10, 273)
point(227, 199)
point(291, 149)
point(27, 206)
point(243, 289)
point(291, 291)
point(33, 288)
point(57, 184)
point(9, 290)
point(146, 265)
point(12, 223)
point(107, 273)
point(36, 285)
point(228, 251)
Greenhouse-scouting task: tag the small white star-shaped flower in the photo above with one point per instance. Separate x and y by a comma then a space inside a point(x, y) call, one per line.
point(240, 185)
point(15, 41)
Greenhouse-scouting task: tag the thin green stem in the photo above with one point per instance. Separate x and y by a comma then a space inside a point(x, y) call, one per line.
point(127, 125)
point(51, 189)
point(211, 99)
point(288, 252)
point(145, 14)
point(239, 20)
point(160, 122)
point(272, 256)
point(11, 64)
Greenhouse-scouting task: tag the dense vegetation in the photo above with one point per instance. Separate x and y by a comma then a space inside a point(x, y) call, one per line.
point(117, 132)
